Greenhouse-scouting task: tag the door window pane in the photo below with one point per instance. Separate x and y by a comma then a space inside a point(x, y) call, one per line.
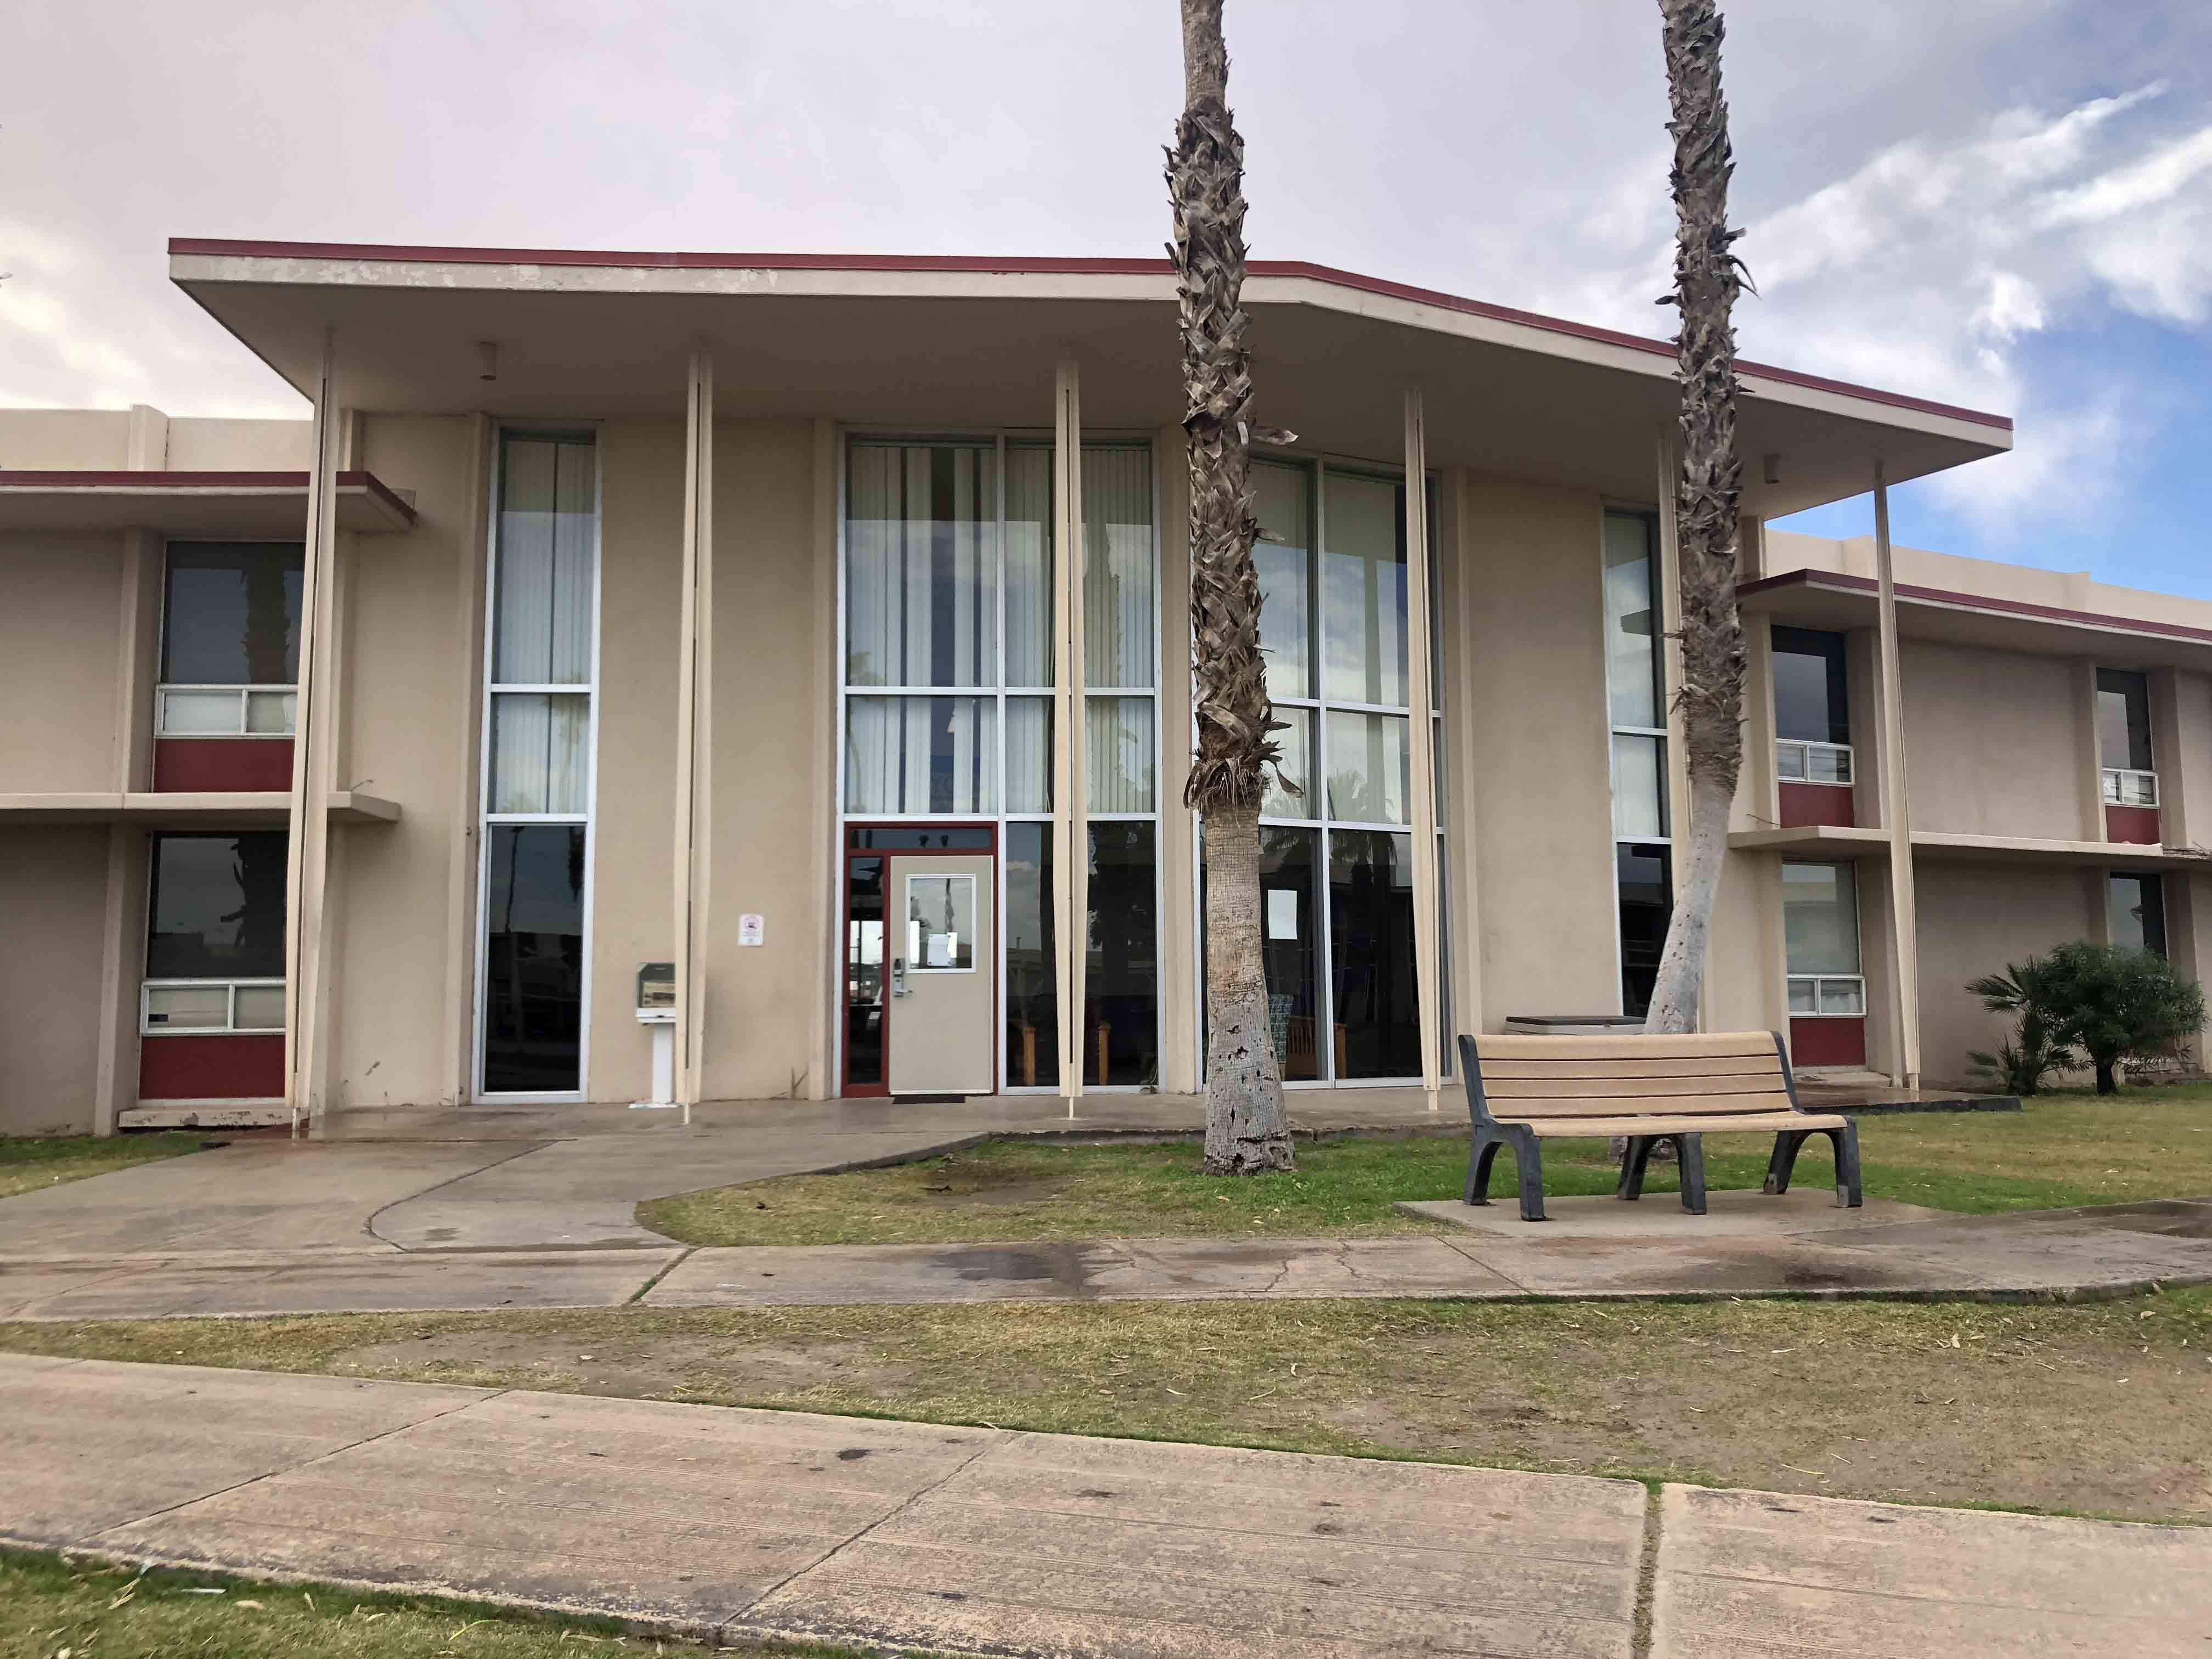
point(230, 614)
point(1118, 753)
point(921, 588)
point(1370, 771)
point(1121, 601)
point(258, 1008)
point(1364, 599)
point(1645, 875)
point(1640, 787)
point(1283, 557)
point(533, 957)
point(217, 909)
point(1631, 620)
point(940, 924)
point(1370, 910)
point(548, 528)
point(540, 751)
point(1812, 702)
point(864, 971)
point(1820, 919)
point(1029, 754)
point(1122, 985)
point(1290, 946)
point(920, 756)
point(189, 1007)
point(2124, 719)
point(1296, 742)
point(2138, 912)
point(1032, 985)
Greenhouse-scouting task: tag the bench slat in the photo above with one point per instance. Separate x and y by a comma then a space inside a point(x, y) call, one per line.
point(1555, 1128)
point(1719, 1108)
point(1694, 1045)
point(1763, 1065)
point(1671, 1088)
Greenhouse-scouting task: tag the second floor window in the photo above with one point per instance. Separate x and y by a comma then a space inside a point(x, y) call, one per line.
point(230, 639)
point(1812, 706)
point(2123, 748)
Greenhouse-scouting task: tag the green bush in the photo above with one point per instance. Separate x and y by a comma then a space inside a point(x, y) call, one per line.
point(2096, 1000)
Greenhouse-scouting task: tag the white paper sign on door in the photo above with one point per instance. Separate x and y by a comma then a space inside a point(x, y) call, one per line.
point(1282, 913)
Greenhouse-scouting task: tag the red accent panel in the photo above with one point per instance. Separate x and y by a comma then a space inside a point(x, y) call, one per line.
point(1804, 804)
point(1835, 1040)
point(2132, 824)
point(221, 247)
point(190, 764)
point(221, 1065)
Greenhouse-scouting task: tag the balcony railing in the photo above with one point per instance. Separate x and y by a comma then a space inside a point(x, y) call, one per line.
point(1813, 762)
point(2125, 787)
point(1815, 995)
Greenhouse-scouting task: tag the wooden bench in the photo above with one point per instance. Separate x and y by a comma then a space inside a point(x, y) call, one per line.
point(1523, 1090)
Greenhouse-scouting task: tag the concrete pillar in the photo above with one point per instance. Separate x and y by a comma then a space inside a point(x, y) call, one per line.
point(692, 859)
point(1420, 700)
point(1071, 777)
point(1897, 808)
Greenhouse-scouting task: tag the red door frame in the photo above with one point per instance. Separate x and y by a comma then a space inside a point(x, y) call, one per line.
point(847, 1088)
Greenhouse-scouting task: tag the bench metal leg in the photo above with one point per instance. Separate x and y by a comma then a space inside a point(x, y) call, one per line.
point(1785, 1159)
point(1635, 1158)
point(1848, 1195)
point(1693, 1150)
point(1480, 1156)
point(1528, 1165)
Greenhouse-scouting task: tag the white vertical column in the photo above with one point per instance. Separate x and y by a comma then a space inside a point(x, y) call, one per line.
point(1897, 811)
point(1420, 702)
point(308, 852)
point(1071, 807)
point(694, 724)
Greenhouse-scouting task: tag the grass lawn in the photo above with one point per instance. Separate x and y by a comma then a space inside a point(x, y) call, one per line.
point(2093, 1409)
point(51, 1606)
point(2062, 1150)
point(30, 1162)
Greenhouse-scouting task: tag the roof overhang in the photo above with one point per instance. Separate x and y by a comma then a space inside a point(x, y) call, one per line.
point(959, 342)
point(212, 504)
point(1838, 601)
point(187, 809)
point(1831, 842)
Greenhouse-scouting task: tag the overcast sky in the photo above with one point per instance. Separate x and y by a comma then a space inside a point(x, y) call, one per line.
point(2006, 203)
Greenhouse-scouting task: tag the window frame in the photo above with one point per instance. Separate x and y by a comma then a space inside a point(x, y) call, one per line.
point(1650, 516)
point(230, 1027)
point(244, 688)
point(486, 819)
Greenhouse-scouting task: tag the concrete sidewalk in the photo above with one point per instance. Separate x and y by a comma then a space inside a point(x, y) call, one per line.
point(1798, 1245)
point(736, 1525)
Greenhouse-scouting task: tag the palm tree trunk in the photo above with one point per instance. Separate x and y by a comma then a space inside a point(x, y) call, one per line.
point(1246, 1132)
point(1707, 278)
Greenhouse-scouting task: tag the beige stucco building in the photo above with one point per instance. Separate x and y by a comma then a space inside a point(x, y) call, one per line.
point(718, 612)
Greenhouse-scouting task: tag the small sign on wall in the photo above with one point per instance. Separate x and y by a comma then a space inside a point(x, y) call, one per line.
point(752, 929)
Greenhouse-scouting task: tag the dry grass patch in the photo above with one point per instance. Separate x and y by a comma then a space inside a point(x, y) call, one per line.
point(2097, 1409)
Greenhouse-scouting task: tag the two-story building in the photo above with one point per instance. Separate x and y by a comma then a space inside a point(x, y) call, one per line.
point(817, 625)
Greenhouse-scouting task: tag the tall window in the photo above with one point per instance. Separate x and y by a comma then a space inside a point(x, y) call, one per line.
point(2137, 905)
point(1812, 706)
point(230, 639)
point(2123, 748)
point(1821, 934)
point(1636, 701)
point(949, 670)
point(214, 934)
point(538, 760)
point(1336, 864)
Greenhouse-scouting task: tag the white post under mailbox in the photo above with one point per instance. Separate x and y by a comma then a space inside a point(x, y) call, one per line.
point(656, 1007)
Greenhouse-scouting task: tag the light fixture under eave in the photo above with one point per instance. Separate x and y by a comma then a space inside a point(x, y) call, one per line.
point(1773, 467)
point(487, 359)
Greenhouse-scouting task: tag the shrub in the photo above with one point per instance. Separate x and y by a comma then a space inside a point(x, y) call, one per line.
point(2022, 1065)
point(2107, 1002)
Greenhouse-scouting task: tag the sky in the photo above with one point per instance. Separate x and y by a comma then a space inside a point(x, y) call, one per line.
point(2002, 204)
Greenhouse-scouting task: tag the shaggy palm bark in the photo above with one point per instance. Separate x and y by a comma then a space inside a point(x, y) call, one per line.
point(1707, 279)
point(1246, 1133)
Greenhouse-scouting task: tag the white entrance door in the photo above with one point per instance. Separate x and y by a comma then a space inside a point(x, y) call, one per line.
point(944, 951)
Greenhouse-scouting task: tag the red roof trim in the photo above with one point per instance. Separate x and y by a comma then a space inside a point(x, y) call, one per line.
point(242, 482)
point(1838, 579)
point(225, 247)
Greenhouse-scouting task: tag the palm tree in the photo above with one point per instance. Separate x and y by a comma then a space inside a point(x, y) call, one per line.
point(1708, 277)
point(1246, 1133)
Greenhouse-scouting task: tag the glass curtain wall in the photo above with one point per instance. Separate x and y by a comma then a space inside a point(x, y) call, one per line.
point(949, 672)
point(1636, 701)
point(1336, 872)
point(539, 696)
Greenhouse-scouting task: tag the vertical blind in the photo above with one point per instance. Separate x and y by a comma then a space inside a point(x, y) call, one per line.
point(921, 592)
point(542, 625)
